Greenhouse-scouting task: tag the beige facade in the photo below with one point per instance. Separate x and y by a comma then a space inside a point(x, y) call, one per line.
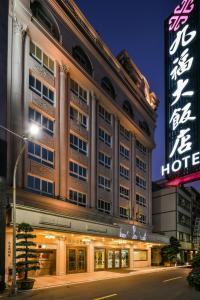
point(97, 121)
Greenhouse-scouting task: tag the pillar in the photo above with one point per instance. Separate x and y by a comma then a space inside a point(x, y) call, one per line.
point(2, 231)
point(61, 257)
point(131, 258)
point(132, 202)
point(149, 187)
point(116, 167)
point(57, 132)
point(63, 130)
point(93, 152)
point(90, 257)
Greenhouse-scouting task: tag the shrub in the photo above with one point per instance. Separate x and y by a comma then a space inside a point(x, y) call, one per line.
point(196, 260)
point(194, 278)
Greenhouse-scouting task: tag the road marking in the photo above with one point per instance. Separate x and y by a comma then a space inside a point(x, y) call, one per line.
point(106, 297)
point(175, 278)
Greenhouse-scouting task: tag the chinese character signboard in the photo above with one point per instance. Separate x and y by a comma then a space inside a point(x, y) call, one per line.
point(182, 92)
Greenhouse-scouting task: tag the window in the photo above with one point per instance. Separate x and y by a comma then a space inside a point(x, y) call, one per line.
point(46, 124)
point(140, 255)
point(183, 220)
point(104, 114)
point(141, 182)
point(104, 160)
point(124, 132)
point(127, 107)
point(140, 164)
point(78, 117)
point(104, 206)
point(41, 154)
point(123, 212)
point(145, 127)
point(79, 91)
point(124, 192)
point(40, 185)
point(141, 147)
point(108, 87)
point(124, 151)
point(78, 144)
point(141, 218)
point(41, 57)
point(104, 137)
point(104, 183)
point(77, 171)
point(140, 200)
point(184, 203)
point(77, 198)
point(40, 89)
point(83, 60)
point(124, 172)
point(43, 15)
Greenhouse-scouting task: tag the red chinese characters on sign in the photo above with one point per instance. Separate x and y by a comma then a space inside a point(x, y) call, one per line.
point(181, 14)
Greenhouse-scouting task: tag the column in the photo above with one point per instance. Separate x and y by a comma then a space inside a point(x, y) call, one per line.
point(16, 109)
point(61, 257)
point(63, 130)
point(116, 167)
point(2, 230)
point(131, 257)
point(90, 257)
point(149, 257)
point(93, 152)
point(149, 178)
point(132, 177)
point(57, 132)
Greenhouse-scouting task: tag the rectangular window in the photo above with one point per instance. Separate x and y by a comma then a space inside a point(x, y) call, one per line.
point(42, 121)
point(104, 160)
point(79, 91)
point(41, 154)
point(104, 206)
point(77, 198)
point(184, 203)
point(124, 192)
point(78, 144)
point(140, 255)
point(125, 152)
point(125, 132)
point(140, 164)
point(141, 182)
point(41, 57)
point(124, 172)
point(39, 185)
point(104, 137)
point(140, 200)
point(184, 220)
point(41, 89)
point(104, 114)
point(141, 147)
point(105, 183)
point(141, 218)
point(77, 171)
point(78, 117)
point(123, 212)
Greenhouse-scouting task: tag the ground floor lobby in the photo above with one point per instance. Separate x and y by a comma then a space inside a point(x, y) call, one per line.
point(61, 253)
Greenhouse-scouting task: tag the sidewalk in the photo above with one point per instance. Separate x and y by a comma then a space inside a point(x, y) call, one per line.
point(71, 279)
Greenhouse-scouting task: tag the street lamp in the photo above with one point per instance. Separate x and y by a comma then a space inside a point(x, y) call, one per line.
point(33, 132)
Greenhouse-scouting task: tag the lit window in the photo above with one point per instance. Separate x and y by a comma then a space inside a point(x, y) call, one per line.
point(41, 57)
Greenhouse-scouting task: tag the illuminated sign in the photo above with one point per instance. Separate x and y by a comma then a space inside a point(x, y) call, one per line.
point(182, 91)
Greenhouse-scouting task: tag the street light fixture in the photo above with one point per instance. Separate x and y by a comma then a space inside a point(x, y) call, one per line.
point(33, 132)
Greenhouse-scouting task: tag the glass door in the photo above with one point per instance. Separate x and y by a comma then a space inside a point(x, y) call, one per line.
point(110, 255)
point(81, 260)
point(117, 259)
point(72, 260)
point(99, 259)
point(76, 260)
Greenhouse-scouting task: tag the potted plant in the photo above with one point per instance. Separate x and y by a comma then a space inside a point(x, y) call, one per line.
point(26, 259)
point(194, 276)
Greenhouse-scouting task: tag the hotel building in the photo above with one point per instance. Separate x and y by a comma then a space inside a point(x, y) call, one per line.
point(84, 183)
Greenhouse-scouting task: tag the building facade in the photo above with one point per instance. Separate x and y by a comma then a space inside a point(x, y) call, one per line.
point(85, 183)
point(172, 214)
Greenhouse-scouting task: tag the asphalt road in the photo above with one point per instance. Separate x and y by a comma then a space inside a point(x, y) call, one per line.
point(161, 285)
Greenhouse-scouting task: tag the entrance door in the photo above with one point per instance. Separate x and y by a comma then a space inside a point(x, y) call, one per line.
point(117, 259)
point(110, 256)
point(76, 260)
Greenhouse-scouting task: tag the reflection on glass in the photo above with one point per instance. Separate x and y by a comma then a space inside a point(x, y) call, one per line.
point(117, 258)
point(99, 259)
point(124, 258)
point(140, 255)
point(72, 259)
point(81, 260)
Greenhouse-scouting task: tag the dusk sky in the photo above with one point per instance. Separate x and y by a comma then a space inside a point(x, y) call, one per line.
point(137, 26)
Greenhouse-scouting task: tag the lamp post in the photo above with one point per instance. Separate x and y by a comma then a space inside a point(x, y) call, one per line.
point(33, 131)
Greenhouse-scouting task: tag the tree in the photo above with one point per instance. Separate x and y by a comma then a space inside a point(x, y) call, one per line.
point(27, 257)
point(169, 252)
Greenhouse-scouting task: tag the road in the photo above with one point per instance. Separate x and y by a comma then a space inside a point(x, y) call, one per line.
point(161, 285)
